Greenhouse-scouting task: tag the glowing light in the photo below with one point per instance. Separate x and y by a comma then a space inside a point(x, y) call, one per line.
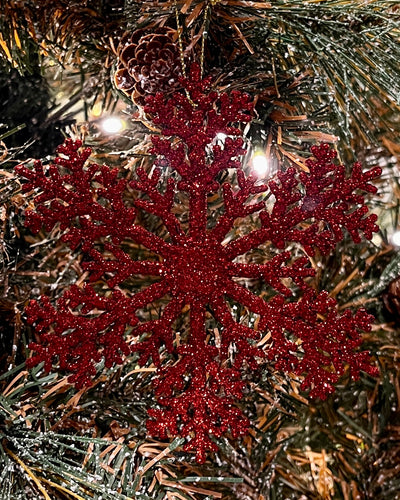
point(221, 136)
point(396, 238)
point(260, 164)
point(97, 109)
point(219, 139)
point(377, 240)
point(112, 125)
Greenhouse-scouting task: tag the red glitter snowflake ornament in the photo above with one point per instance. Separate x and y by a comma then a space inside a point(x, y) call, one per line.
point(197, 267)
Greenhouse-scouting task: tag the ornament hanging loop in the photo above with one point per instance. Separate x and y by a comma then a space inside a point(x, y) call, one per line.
point(207, 9)
point(180, 43)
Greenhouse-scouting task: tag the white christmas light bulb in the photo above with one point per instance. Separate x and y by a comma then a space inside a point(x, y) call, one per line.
point(396, 238)
point(221, 136)
point(260, 164)
point(112, 125)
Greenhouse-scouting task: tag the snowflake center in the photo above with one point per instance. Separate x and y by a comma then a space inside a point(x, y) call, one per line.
point(197, 269)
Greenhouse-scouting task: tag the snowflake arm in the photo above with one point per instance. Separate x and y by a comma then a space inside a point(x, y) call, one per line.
point(274, 270)
point(206, 408)
point(178, 118)
point(246, 297)
point(235, 204)
point(312, 340)
point(161, 333)
point(159, 204)
point(236, 334)
point(87, 201)
point(92, 335)
point(68, 196)
point(322, 195)
point(121, 267)
point(329, 197)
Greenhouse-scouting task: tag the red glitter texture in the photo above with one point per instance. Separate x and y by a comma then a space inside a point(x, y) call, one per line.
point(198, 393)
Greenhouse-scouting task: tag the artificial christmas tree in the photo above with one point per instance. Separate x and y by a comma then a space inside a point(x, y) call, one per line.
point(184, 284)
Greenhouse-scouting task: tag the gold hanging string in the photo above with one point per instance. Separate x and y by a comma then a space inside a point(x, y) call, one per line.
point(203, 35)
point(180, 44)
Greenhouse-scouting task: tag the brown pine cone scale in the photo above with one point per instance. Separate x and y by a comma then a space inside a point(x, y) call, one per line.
point(148, 63)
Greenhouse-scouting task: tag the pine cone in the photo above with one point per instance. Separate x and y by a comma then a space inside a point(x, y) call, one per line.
point(148, 63)
point(391, 298)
